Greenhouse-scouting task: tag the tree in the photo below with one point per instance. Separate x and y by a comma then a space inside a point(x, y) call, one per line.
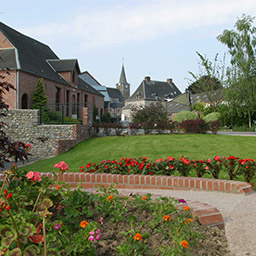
point(150, 117)
point(40, 100)
point(8, 148)
point(241, 82)
point(209, 78)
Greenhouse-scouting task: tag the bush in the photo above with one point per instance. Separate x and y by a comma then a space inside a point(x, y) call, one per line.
point(55, 116)
point(173, 126)
point(184, 115)
point(194, 126)
point(71, 120)
point(214, 116)
point(214, 126)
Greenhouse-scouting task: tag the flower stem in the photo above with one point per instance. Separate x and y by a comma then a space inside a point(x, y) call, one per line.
point(16, 229)
point(44, 234)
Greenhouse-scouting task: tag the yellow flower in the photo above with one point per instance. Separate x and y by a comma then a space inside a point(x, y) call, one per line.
point(144, 198)
point(186, 208)
point(184, 243)
point(167, 218)
point(110, 197)
point(188, 221)
point(83, 224)
point(138, 237)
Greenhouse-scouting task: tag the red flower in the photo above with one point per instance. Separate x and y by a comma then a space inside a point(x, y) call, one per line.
point(150, 173)
point(232, 158)
point(8, 207)
point(36, 238)
point(5, 192)
point(88, 165)
point(9, 196)
point(172, 167)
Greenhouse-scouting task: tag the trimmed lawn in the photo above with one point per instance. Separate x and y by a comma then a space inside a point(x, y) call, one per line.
point(153, 147)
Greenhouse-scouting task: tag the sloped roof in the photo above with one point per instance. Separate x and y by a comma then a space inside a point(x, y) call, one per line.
point(89, 79)
point(81, 84)
point(115, 93)
point(8, 59)
point(180, 103)
point(32, 55)
point(103, 90)
point(122, 79)
point(64, 65)
point(155, 90)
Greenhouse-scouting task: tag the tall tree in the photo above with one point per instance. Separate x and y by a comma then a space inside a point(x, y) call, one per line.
point(40, 100)
point(241, 82)
point(209, 78)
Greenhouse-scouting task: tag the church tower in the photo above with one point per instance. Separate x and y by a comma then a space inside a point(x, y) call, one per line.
point(123, 85)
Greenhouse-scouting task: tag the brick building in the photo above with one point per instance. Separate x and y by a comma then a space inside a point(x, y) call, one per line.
point(27, 60)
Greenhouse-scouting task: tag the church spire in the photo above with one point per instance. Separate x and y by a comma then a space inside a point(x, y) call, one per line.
point(123, 85)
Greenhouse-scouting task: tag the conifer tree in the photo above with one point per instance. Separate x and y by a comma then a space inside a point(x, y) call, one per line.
point(40, 100)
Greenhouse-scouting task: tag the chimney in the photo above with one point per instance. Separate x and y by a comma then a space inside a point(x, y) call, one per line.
point(169, 80)
point(147, 78)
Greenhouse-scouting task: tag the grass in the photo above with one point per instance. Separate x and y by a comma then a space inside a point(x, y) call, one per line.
point(152, 146)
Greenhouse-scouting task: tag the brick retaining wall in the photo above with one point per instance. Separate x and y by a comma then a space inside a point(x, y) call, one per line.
point(207, 214)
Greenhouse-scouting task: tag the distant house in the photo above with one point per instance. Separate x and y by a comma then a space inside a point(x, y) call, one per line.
point(187, 100)
point(116, 103)
point(148, 92)
point(28, 60)
point(89, 79)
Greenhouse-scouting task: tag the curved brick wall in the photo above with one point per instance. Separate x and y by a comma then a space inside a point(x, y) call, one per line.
point(207, 214)
point(92, 180)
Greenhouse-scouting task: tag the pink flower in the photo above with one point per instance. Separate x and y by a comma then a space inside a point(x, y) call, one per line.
point(209, 160)
point(159, 160)
point(207, 168)
point(34, 176)
point(217, 158)
point(62, 165)
point(91, 238)
point(57, 226)
point(28, 145)
point(30, 175)
point(101, 220)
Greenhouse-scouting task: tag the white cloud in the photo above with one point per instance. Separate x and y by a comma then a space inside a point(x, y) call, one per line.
point(119, 24)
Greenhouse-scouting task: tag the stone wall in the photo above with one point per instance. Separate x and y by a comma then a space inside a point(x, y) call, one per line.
point(46, 140)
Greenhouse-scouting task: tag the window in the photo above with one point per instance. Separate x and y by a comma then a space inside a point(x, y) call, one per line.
point(57, 99)
point(67, 103)
point(85, 100)
point(24, 101)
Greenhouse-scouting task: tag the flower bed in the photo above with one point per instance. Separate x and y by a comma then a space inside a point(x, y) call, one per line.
point(43, 216)
point(232, 166)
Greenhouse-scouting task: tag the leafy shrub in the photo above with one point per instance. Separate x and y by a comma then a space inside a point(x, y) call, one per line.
point(55, 116)
point(212, 117)
point(194, 126)
point(214, 126)
point(70, 120)
point(184, 115)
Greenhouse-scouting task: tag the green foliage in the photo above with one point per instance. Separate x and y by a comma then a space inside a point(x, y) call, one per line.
point(71, 120)
point(106, 118)
point(95, 113)
point(150, 116)
point(184, 115)
point(40, 99)
point(212, 117)
point(55, 116)
point(241, 86)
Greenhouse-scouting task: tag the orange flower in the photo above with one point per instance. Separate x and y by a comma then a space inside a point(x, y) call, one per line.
point(83, 224)
point(144, 198)
point(186, 208)
point(9, 196)
point(188, 221)
point(109, 198)
point(138, 237)
point(58, 187)
point(167, 218)
point(184, 243)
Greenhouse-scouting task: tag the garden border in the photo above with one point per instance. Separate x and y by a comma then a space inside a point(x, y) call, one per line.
point(207, 214)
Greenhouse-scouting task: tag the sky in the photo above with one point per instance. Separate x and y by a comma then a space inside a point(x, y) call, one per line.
point(156, 38)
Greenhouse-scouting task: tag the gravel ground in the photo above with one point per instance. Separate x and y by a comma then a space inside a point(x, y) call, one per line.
point(238, 211)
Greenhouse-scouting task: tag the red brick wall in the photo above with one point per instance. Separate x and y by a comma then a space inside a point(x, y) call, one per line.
point(4, 43)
